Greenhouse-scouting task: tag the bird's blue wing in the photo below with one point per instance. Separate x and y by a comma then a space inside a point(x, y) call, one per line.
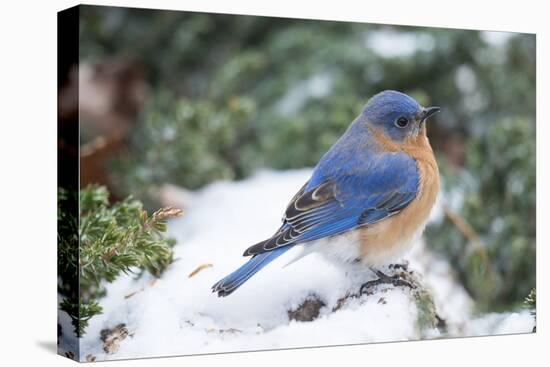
point(336, 200)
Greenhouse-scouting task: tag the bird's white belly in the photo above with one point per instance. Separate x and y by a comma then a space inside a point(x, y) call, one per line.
point(347, 248)
point(344, 248)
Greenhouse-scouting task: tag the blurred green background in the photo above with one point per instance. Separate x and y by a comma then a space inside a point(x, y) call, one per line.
point(187, 98)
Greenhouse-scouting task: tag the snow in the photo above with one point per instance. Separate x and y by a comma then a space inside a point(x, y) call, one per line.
point(177, 314)
point(501, 324)
point(318, 86)
point(391, 43)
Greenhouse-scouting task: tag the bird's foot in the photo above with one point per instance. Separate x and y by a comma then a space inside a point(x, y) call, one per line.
point(395, 280)
point(403, 266)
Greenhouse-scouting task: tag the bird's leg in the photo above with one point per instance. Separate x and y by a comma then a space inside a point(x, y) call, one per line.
point(383, 278)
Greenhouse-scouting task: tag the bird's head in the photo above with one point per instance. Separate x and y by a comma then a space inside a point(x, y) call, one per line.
point(397, 115)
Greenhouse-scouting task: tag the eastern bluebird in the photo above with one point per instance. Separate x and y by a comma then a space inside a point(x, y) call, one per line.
point(374, 189)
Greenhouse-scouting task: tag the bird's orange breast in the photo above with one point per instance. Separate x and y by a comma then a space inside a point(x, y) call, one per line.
point(383, 241)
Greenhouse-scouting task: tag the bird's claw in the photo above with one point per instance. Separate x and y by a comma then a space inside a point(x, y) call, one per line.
point(394, 280)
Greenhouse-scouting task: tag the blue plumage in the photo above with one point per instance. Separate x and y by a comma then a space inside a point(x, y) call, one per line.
point(356, 183)
point(234, 280)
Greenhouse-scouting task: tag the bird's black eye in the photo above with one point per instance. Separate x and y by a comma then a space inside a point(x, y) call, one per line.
point(401, 122)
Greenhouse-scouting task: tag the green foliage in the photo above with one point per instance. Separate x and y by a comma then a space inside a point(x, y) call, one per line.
point(113, 238)
point(531, 299)
point(185, 141)
point(249, 92)
point(427, 316)
point(531, 303)
point(80, 312)
point(497, 187)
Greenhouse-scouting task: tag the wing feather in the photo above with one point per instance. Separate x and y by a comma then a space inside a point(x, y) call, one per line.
point(346, 200)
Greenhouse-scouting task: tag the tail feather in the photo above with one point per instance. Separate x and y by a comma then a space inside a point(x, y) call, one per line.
point(230, 283)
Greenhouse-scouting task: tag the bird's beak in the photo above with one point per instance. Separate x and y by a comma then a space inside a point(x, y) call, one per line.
point(429, 111)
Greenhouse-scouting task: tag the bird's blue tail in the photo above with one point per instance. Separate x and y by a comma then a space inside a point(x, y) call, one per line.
point(230, 283)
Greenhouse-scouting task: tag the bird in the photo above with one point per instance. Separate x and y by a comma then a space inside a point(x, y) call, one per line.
point(368, 198)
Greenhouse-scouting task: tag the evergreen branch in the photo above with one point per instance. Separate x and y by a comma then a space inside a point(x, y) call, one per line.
point(113, 239)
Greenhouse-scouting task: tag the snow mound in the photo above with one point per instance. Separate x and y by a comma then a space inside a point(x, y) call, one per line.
point(178, 314)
